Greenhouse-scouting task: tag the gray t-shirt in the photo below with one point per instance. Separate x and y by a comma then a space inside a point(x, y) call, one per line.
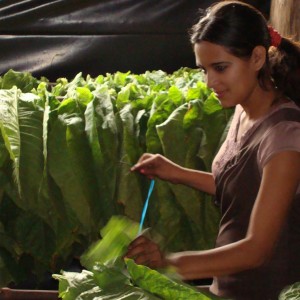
point(281, 137)
point(237, 169)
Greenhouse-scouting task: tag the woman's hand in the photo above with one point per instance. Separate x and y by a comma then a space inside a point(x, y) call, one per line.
point(156, 165)
point(145, 252)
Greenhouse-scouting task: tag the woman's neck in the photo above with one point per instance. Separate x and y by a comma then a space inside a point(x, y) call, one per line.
point(260, 103)
point(257, 107)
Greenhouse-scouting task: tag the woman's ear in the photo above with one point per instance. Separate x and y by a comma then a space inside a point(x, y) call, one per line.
point(258, 57)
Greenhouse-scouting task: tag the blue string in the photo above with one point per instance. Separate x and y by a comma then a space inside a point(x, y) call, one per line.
point(146, 205)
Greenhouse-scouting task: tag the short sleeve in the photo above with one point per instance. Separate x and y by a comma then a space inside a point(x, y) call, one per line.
point(285, 136)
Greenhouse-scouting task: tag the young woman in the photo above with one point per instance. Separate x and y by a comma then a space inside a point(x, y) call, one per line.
point(256, 173)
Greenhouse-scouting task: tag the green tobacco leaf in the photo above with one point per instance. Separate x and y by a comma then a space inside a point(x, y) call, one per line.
point(194, 114)
point(129, 194)
point(109, 276)
point(71, 87)
point(5, 276)
point(72, 284)
point(213, 125)
point(11, 267)
point(198, 90)
point(32, 158)
point(212, 104)
point(159, 284)
point(38, 187)
point(25, 141)
point(181, 146)
point(157, 80)
point(165, 218)
point(103, 133)
point(7, 243)
point(71, 166)
point(121, 79)
point(291, 292)
point(175, 94)
point(157, 116)
point(9, 124)
point(114, 282)
point(38, 194)
point(162, 107)
point(22, 80)
point(171, 133)
point(4, 155)
point(83, 286)
point(116, 236)
point(36, 238)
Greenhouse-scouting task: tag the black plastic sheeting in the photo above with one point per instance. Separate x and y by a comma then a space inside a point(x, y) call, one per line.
point(60, 38)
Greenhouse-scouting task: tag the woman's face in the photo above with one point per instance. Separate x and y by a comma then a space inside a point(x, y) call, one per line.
point(233, 79)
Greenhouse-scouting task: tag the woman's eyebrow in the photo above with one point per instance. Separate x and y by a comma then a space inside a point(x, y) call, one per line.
point(214, 64)
point(220, 63)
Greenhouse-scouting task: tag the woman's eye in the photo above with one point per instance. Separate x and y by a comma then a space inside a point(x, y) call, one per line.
point(220, 68)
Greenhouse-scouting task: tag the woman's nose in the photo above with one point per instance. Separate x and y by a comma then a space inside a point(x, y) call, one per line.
point(211, 80)
point(208, 80)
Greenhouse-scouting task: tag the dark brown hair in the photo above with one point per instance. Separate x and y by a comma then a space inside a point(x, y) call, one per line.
point(240, 28)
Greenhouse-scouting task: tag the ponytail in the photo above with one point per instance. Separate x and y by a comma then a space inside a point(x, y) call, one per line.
point(284, 62)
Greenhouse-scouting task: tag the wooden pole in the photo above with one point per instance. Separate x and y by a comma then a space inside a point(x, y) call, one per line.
point(13, 294)
point(285, 18)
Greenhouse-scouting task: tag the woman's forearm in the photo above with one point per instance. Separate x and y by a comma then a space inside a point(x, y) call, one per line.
point(233, 258)
point(158, 166)
point(203, 181)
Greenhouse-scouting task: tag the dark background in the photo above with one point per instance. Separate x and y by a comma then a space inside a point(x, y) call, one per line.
point(61, 38)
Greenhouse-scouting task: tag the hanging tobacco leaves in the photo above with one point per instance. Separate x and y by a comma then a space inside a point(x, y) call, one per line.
point(66, 149)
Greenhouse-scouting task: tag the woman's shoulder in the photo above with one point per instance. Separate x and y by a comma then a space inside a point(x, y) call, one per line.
point(284, 112)
point(285, 130)
point(286, 105)
point(281, 136)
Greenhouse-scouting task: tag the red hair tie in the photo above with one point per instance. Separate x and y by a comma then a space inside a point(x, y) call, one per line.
point(275, 37)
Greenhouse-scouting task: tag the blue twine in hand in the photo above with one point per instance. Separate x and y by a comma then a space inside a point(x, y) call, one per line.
point(146, 205)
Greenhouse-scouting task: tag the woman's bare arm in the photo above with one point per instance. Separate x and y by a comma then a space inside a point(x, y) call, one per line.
point(155, 165)
point(280, 179)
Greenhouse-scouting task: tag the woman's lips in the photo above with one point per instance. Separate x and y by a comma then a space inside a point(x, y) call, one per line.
point(220, 94)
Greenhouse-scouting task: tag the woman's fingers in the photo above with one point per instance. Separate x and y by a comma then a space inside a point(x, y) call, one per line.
point(138, 246)
point(157, 166)
point(150, 259)
point(144, 163)
point(139, 240)
point(152, 165)
point(145, 252)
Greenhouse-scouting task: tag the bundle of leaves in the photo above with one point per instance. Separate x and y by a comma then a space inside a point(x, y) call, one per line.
point(108, 276)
